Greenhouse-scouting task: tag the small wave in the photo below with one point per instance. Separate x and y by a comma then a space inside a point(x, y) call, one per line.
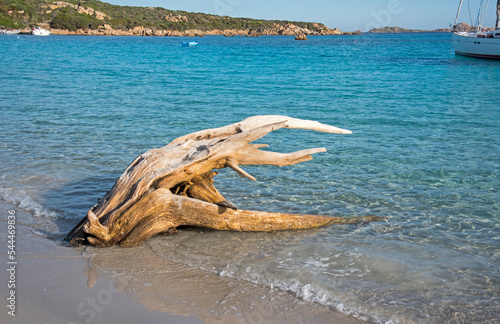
point(40, 233)
point(312, 292)
point(21, 199)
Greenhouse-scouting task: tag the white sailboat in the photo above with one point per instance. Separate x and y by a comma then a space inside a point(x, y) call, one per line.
point(482, 44)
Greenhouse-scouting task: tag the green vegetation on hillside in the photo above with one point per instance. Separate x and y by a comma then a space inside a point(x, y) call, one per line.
point(16, 13)
point(73, 21)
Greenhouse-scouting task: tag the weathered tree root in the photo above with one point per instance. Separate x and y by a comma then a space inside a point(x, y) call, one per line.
point(172, 186)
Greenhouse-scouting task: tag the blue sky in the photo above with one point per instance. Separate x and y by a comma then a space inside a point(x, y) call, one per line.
point(347, 15)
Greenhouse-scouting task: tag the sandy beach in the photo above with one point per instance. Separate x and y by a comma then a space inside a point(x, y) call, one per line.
point(59, 284)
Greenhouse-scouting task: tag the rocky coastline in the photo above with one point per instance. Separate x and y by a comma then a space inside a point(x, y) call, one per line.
point(99, 18)
point(107, 30)
point(73, 17)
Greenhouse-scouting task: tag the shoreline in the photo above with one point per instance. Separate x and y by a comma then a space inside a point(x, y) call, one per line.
point(106, 30)
point(25, 33)
point(60, 284)
point(161, 33)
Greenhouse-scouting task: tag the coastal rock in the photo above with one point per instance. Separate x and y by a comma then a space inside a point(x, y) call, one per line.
point(142, 31)
point(335, 31)
point(464, 27)
point(255, 33)
point(301, 37)
point(80, 9)
point(176, 18)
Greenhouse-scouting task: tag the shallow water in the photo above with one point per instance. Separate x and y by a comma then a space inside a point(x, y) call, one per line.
point(75, 111)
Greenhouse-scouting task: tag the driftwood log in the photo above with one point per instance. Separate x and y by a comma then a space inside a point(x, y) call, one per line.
point(172, 186)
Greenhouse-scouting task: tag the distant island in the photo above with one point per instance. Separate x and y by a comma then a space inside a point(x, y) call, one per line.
point(388, 30)
point(395, 30)
point(92, 17)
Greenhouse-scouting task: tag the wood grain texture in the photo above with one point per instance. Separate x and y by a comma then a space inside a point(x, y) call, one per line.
point(172, 186)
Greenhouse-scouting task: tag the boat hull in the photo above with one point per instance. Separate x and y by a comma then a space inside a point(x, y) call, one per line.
point(474, 46)
point(189, 44)
point(41, 34)
point(37, 31)
point(9, 32)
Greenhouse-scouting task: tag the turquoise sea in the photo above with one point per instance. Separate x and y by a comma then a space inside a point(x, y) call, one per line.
point(75, 111)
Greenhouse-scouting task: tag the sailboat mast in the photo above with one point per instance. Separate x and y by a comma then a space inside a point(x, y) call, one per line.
point(497, 25)
point(458, 13)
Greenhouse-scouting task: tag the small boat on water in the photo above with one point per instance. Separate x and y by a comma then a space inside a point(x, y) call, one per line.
point(37, 31)
point(190, 44)
point(481, 44)
point(4, 31)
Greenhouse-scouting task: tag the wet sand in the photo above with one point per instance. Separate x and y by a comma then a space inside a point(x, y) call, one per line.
point(59, 284)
